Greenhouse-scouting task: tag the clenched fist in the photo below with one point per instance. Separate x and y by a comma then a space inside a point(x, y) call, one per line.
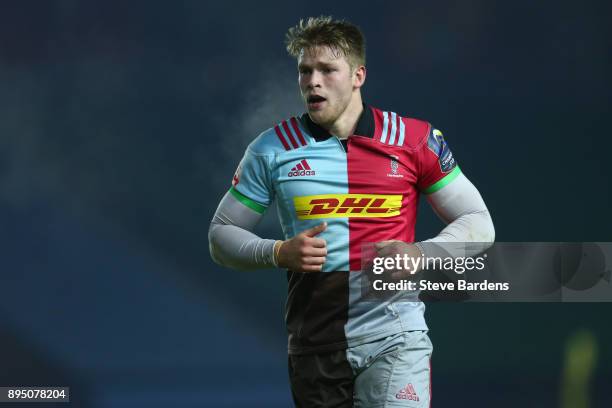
point(393, 248)
point(304, 252)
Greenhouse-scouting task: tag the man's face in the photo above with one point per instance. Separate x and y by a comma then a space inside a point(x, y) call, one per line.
point(326, 83)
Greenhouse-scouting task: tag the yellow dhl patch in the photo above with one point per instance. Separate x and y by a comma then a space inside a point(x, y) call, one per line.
point(347, 205)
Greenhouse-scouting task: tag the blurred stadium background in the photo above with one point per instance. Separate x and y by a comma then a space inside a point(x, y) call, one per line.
point(121, 124)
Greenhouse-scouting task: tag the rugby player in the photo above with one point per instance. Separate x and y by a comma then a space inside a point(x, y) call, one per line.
point(344, 174)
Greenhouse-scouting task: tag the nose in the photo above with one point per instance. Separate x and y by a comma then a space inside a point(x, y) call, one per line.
point(314, 80)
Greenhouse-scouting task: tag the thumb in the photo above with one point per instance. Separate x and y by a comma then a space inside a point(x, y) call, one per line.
point(314, 231)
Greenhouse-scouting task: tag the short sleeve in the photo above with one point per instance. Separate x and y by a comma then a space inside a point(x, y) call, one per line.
point(251, 183)
point(437, 166)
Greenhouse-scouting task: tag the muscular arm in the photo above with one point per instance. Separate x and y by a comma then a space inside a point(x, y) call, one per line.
point(231, 241)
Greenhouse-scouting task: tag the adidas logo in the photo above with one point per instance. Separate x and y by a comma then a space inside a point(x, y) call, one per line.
point(407, 393)
point(302, 169)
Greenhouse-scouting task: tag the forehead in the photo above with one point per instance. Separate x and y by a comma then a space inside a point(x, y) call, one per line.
point(321, 54)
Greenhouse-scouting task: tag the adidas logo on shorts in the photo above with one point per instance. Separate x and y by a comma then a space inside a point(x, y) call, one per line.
point(407, 393)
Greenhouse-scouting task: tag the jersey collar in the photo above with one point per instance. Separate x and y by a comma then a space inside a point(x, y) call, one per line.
point(365, 125)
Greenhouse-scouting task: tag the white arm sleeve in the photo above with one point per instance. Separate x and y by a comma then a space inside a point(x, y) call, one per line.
point(460, 205)
point(231, 241)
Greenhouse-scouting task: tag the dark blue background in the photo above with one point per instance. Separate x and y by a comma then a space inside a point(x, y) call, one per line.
point(121, 124)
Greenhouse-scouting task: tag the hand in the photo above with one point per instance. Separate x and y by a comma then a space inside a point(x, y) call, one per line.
point(392, 248)
point(304, 252)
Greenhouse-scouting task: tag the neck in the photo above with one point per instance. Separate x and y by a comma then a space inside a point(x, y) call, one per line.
point(345, 125)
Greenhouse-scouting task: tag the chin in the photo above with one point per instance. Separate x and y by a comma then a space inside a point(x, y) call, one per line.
point(319, 117)
point(316, 116)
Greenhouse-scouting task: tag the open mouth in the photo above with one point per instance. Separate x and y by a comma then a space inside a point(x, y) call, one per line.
point(315, 99)
point(315, 102)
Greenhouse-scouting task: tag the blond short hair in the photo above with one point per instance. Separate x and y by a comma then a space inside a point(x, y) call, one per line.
point(341, 36)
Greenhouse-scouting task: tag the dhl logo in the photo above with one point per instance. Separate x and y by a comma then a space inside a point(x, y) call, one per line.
point(347, 205)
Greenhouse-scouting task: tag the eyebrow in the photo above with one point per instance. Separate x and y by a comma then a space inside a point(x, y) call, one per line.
point(318, 64)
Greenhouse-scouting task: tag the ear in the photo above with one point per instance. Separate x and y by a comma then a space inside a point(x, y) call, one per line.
point(359, 76)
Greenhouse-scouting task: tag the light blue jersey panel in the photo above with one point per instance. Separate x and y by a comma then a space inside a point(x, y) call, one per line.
point(372, 319)
point(252, 178)
point(327, 160)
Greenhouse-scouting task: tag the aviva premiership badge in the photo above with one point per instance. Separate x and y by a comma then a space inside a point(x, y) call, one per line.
point(437, 145)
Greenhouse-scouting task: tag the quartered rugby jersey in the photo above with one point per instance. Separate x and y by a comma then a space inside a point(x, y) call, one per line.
point(366, 188)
